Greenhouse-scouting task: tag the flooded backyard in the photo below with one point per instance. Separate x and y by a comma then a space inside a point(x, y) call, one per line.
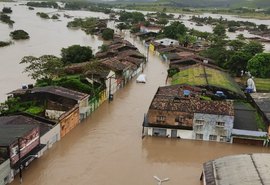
point(107, 148)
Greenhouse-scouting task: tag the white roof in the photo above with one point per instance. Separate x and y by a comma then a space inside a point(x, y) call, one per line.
point(248, 133)
point(167, 41)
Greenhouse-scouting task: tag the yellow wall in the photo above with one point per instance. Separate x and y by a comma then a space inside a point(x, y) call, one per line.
point(151, 47)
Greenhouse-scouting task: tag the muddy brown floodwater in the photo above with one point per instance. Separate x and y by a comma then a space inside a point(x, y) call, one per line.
point(107, 148)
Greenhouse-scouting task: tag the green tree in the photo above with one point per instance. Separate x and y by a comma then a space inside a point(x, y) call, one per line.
point(162, 21)
point(238, 62)
point(107, 34)
point(43, 15)
point(236, 45)
point(175, 30)
point(220, 31)
point(263, 27)
point(241, 37)
point(259, 65)
point(6, 19)
point(44, 67)
point(253, 47)
point(7, 10)
point(76, 54)
point(137, 17)
point(121, 26)
point(19, 35)
point(103, 48)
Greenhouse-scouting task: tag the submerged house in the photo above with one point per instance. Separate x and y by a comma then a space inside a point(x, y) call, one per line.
point(182, 111)
point(18, 145)
point(49, 130)
point(63, 105)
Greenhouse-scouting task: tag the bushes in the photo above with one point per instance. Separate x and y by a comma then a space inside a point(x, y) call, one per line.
point(19, 35)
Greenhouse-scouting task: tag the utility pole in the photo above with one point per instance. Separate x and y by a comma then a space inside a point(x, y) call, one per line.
point(19, 153)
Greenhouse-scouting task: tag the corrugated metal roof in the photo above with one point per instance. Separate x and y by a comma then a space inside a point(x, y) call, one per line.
point(245, 169)
point(248, 133)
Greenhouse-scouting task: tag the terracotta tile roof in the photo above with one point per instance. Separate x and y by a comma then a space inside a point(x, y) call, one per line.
point(76, 68)
point(114, 64)
point(130, 53)
point(171, 98)
point(133, 60)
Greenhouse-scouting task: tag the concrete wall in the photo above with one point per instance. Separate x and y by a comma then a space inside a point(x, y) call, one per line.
point(5, 172)
point(182, 134)
point(53, 114)
point(209, 127)
point(50, 138)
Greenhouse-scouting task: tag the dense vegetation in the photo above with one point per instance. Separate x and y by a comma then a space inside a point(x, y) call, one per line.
point(19, 35)
point(3, 44)
point(47, 4)
point(6, 19)
point(89, 25)
point(7, 10)
point(107, 34)
point(76, 54)
point(84, 5)
point(43, 15)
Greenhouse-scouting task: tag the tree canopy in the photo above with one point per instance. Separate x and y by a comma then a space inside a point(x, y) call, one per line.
point(259, 65)
point(253, 47)
point(76, 54)
point(133, 17)
point(7, 10)
point(107, 34)
point(19, 35)
point(44, 67)
point(175, 30)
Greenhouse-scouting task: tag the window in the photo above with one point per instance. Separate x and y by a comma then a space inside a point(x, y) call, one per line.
point(179, 119)
point(161, 119)
point(220, 124)
point(223, 138)
point(199, 122)
point(199, 127)
point(199, 136)
point(212, 137)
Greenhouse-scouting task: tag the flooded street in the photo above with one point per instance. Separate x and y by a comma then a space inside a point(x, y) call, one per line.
point(107, 148)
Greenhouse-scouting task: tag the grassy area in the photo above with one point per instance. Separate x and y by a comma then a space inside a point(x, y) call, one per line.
point(35, 110)
point(262, 84)
point(197, 76)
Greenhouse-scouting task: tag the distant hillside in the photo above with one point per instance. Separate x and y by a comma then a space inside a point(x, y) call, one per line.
point(210, 3)
point(220, 3)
